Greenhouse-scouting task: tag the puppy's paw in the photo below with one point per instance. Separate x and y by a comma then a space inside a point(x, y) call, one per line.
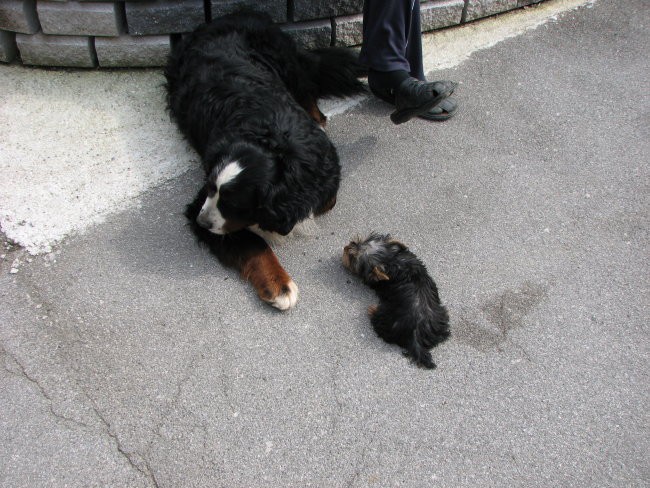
point(287, 298)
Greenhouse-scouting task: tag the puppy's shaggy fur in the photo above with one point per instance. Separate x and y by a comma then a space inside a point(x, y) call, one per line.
point(409, 313)
point(245, 96)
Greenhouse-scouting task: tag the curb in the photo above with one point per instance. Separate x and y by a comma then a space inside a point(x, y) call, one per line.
point(112, 34)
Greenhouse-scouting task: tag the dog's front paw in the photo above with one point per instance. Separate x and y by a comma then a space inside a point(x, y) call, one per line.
point(272, 283)
point(287, 298)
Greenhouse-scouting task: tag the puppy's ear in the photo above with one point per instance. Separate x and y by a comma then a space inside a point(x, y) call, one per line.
point(399, 245)
point(378, 274)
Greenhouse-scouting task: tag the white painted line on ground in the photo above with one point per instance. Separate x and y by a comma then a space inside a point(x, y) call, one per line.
point(79, 146)
point(76, 147)
point(448, 48)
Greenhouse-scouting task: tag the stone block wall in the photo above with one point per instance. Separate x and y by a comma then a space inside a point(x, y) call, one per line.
point(139, 33)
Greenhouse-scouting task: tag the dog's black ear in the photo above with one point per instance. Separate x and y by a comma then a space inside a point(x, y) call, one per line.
point(285, 225)
point(276, 220)
point(397, 245)
point(378, 274)
point(277, 212)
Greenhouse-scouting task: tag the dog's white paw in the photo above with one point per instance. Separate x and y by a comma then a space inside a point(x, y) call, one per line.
point(288, 298)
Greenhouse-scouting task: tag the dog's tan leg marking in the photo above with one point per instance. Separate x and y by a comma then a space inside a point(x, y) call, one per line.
point(272, 283)
point(372, 310)
point(315, 113)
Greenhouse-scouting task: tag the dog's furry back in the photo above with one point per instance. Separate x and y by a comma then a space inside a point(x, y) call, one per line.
point(410, 313)
point(252, 55)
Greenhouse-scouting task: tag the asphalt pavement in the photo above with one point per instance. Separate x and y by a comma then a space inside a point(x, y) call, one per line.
point(132, 358)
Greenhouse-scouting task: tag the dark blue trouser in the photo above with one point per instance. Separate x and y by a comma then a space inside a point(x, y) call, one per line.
point(392, 37)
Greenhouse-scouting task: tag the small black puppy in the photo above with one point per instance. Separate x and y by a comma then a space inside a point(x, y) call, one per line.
point(409, 313)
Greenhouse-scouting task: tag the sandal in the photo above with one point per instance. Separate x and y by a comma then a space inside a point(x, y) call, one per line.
point(414, 97)
point(443, 111)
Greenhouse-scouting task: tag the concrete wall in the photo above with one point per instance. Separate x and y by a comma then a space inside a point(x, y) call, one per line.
point(87, 34)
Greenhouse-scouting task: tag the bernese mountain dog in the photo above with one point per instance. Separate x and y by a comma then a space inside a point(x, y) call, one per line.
point(245, 97)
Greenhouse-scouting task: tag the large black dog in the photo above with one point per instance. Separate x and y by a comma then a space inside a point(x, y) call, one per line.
point(245, 96)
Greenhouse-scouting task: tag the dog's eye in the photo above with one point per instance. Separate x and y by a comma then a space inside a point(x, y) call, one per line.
point(212, 188)
point(225, 203)
point(231, 208)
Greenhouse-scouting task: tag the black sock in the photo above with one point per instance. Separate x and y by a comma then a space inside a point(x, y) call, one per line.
point(386, 80)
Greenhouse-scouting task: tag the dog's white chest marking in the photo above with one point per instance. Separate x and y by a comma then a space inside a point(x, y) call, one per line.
point(304, 228)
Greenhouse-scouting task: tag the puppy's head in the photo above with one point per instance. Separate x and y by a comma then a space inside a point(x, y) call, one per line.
point(240, 192)
point(373, 258)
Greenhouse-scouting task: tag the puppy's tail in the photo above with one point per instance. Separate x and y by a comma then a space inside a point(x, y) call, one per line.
point(427, 335)
point(419, 354)
point(336, 72)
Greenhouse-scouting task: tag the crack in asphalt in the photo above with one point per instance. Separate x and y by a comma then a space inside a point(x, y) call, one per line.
point(142, 466)
point(189, 373)
point(363, 462)
point(22, 373)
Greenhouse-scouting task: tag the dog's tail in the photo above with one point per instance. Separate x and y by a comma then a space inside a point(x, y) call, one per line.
point(428, 334)
point(336, 72)
point(419, 354)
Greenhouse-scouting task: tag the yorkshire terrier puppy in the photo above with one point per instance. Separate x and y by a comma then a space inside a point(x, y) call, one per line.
point(409, 313)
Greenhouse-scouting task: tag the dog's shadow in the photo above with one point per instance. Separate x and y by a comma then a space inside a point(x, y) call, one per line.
point(343, 287)
point(354, 155)
point(374, 108)
point(358, 297)
point(164, 244)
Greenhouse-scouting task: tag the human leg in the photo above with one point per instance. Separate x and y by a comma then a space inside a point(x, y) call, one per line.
point(392, 50)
